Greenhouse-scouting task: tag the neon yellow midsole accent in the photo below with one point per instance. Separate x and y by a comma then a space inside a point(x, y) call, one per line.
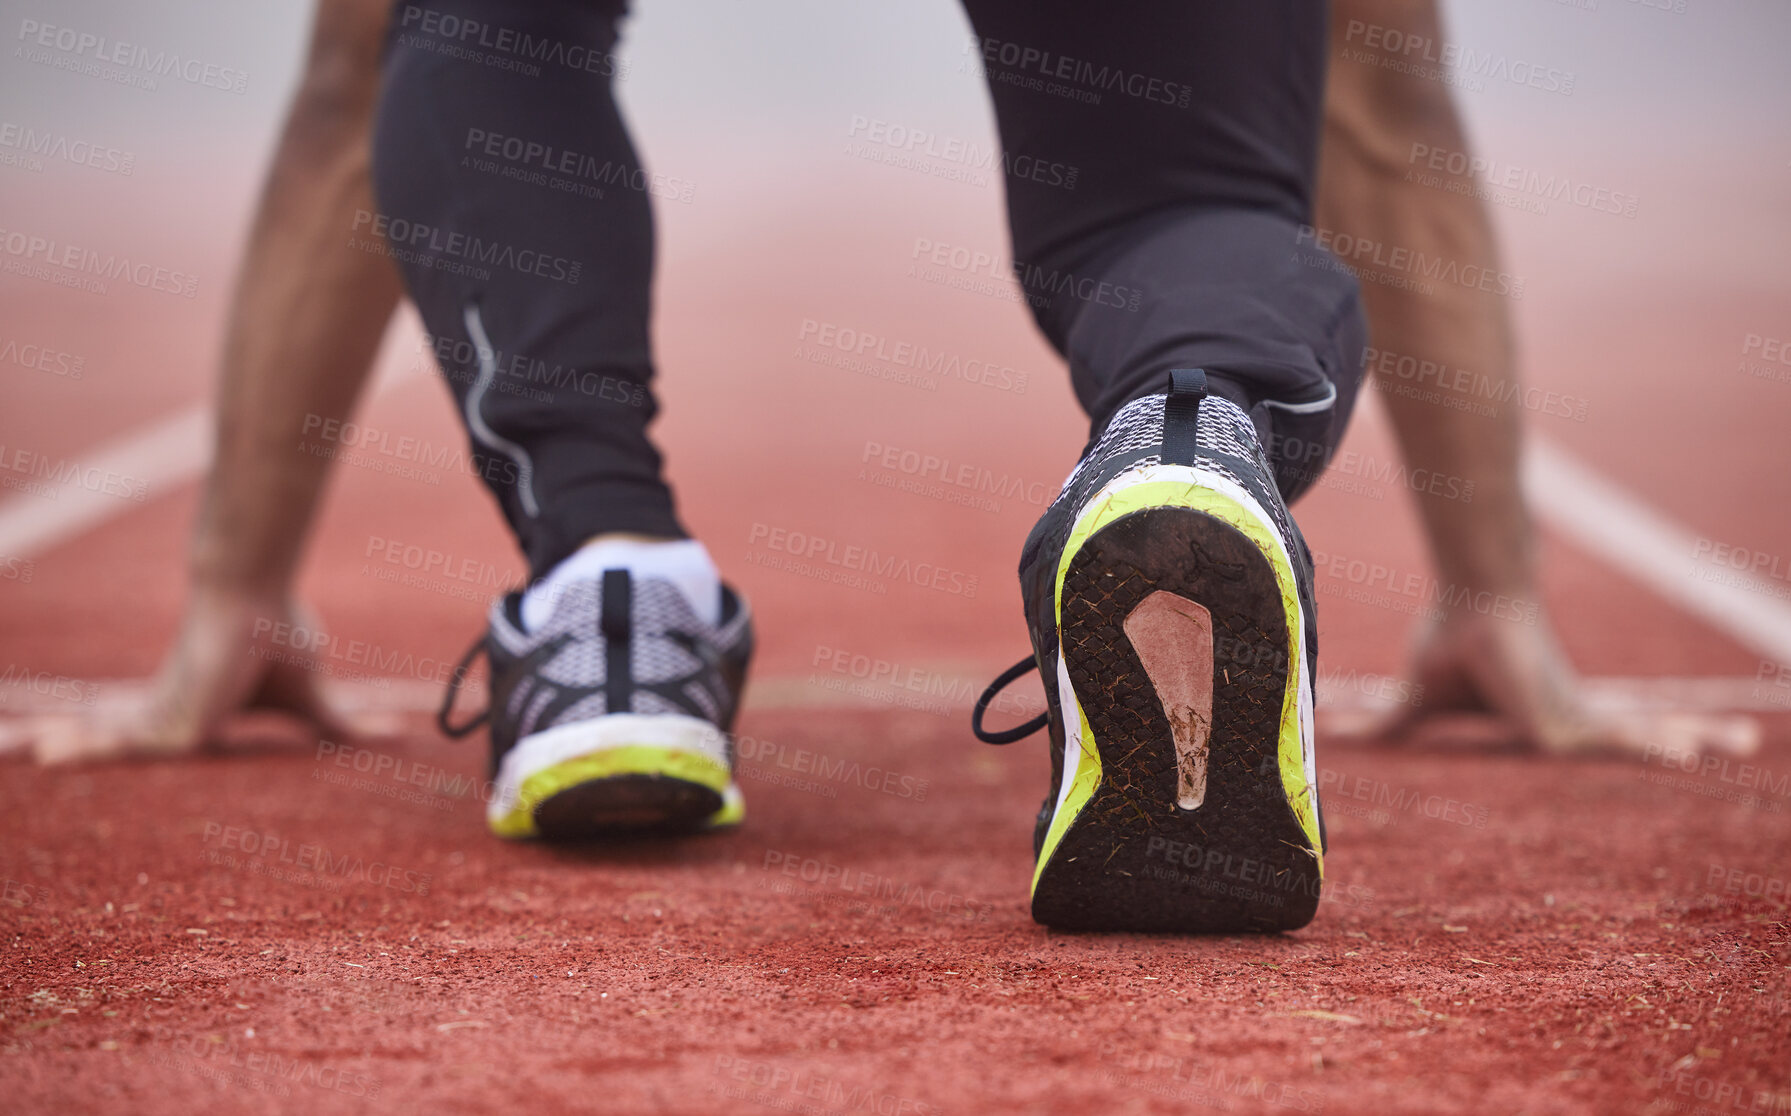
point(1290, 750)
point(1082, 788)
point(732, 812)
point(633, 759)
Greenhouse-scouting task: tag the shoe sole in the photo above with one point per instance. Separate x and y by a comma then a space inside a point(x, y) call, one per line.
point(624, 772)
point(1189, 804)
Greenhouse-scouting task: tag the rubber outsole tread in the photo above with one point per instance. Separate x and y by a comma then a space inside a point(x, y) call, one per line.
point(1132, 859)
point(625, 804)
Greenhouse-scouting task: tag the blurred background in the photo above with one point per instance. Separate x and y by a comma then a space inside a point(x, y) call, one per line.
point(1615, 930)
point(1660, 328)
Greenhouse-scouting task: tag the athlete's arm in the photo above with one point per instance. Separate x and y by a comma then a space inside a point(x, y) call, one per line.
point(306, 320)
point(1375, 119)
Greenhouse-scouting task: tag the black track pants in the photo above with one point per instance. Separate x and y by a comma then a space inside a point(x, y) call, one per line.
point(1159, 159)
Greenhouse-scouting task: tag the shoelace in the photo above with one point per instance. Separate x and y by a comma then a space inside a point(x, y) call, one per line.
point(444, 716)
point(1187, 388)
point(614, 623)
point(1019, 732)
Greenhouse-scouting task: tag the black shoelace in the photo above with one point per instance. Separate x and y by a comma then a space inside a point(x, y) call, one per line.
point(1019, 732)
point(1181, 415)
point(444, 716)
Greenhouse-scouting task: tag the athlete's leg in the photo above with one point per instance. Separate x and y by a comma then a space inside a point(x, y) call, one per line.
point(307, 314)
point(509, 188)
point(510, 192)
point(1192, 131)
point(1167, 593)
point(1381, 125)
point(1377, 121)
point(305, 320)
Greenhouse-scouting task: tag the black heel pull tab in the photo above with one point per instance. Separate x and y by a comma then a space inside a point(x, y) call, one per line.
point(617, 622)
point(1181, 415)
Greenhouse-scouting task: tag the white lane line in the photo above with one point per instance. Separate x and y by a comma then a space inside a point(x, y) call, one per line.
point(41, 694)
point(161, 456)
point(1594, 513)
point(1610, 523)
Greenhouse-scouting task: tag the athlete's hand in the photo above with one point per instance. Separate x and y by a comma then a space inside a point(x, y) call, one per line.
point(1516, 681)
point(235, 653)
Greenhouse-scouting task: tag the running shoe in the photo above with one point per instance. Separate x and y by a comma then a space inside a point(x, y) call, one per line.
point(1169, 599)
point(615, 714)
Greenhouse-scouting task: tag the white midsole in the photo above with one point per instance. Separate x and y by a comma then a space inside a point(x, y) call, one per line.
point(542, 750)
point(1205, 478)
point(1072, 730)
